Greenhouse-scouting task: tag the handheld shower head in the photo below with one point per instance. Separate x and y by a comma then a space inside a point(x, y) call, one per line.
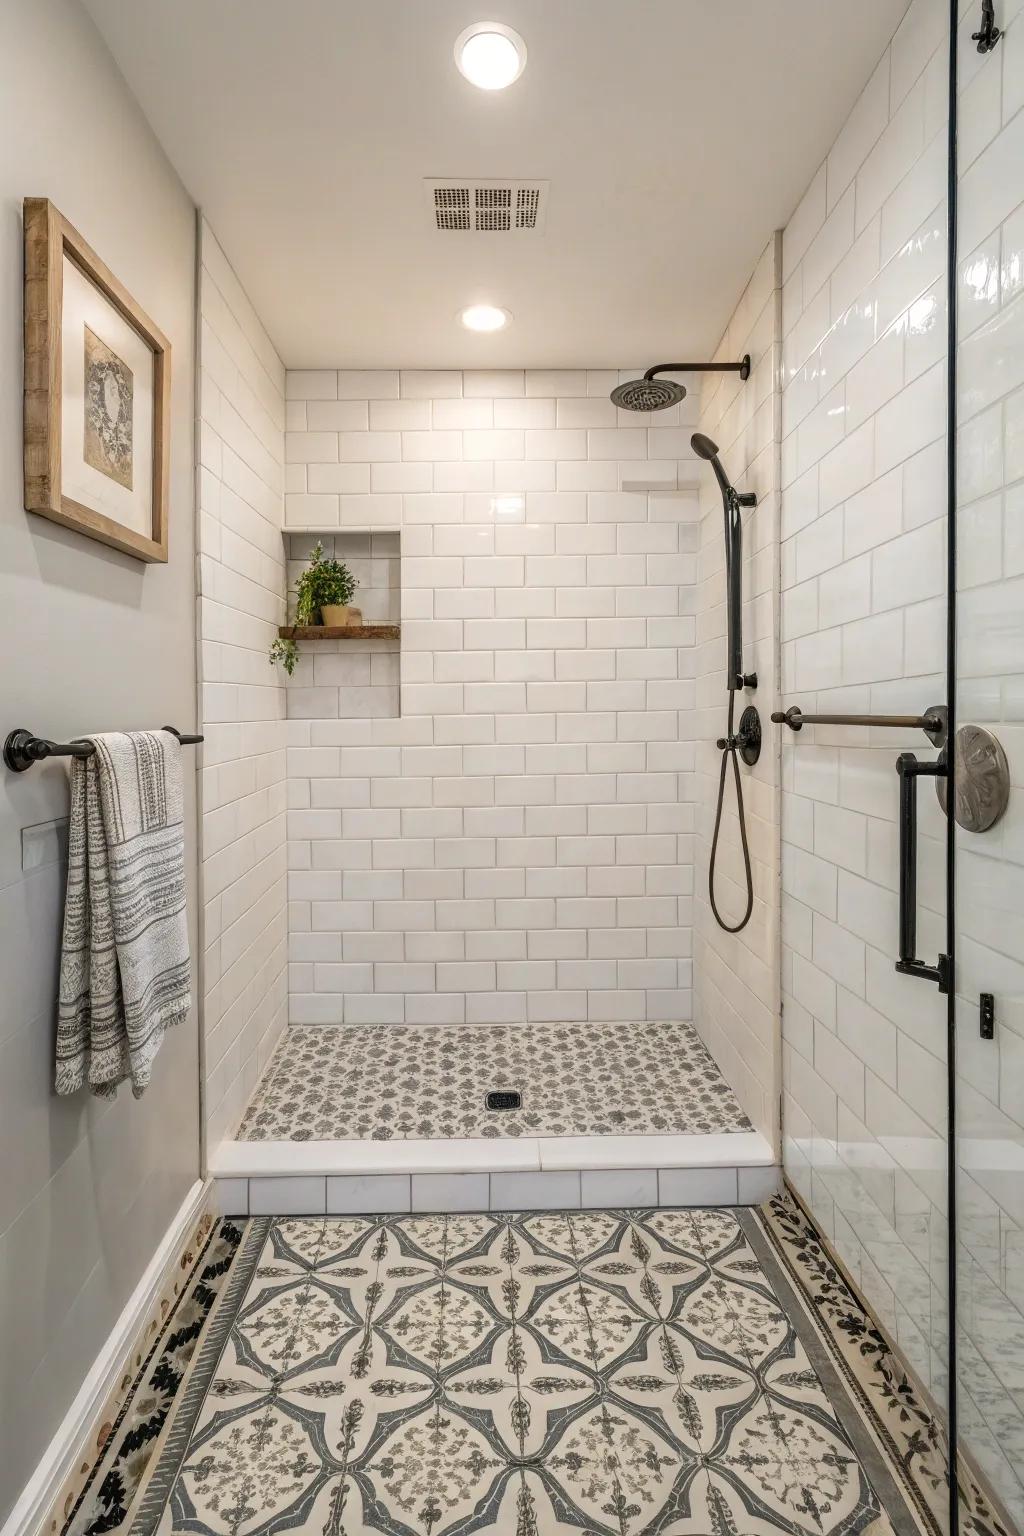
point(704, 448)
point(647, 394)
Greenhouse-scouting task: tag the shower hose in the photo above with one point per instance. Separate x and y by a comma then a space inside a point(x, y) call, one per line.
point(730, 745)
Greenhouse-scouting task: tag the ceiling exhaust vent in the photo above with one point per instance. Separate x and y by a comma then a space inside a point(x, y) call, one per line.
point(487, 207)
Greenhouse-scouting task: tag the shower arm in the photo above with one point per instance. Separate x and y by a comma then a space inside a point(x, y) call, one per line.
point(742, 368)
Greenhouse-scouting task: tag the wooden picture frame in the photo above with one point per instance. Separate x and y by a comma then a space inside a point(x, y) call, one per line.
point(129, 449)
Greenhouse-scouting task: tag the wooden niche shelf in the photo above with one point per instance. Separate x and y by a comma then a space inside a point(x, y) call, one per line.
point(340, 631)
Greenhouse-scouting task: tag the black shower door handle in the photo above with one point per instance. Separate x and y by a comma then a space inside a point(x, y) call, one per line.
point(910, 770)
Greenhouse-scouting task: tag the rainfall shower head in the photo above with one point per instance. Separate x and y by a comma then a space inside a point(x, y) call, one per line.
point(647, 394)
point(653, 394)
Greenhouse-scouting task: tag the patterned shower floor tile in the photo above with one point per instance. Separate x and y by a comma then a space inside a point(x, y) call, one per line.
point(364, 1082)
point(603, 1373)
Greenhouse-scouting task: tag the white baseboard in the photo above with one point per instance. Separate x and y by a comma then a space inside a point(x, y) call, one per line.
point(69, 1443)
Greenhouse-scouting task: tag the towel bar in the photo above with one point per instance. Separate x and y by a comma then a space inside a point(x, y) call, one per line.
point(22, 749)
point(933, 722)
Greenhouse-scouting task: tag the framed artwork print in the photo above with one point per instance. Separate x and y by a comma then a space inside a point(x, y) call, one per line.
point(97, 394)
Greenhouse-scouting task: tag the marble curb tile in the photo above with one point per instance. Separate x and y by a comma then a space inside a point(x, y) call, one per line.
point(455, 1155)
point(626, 1187)
point(373, 1194)
point(450, 1192)
point(535, 1191)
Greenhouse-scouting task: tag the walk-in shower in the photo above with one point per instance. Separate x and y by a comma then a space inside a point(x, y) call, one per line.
point(653, 394)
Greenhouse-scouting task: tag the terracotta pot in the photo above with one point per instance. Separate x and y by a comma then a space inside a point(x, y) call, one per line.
point(340, 615)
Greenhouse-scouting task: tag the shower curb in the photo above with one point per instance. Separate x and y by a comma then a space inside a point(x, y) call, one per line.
point(341, 1178)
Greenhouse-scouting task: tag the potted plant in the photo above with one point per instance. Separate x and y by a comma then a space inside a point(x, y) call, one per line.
point(323, 591)
point(322, 596)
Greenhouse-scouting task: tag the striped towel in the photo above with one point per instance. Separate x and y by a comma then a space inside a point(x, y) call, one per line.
point(124, 971)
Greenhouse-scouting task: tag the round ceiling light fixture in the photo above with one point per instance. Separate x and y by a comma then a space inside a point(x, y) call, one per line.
point(490, 55)
point(484, 317)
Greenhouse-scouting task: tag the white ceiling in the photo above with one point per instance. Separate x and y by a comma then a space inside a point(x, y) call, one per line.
point(675, 134)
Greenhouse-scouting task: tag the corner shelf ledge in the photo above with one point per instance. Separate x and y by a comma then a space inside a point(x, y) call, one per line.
point(340, 631)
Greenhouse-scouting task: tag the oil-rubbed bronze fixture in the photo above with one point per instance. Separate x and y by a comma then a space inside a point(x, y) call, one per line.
point(910, 769)
point(654, 394)
point(932, 722)
point(746, 742)
point(981, 780)
point(22, 749)
point(990, 34)
point(981, 790)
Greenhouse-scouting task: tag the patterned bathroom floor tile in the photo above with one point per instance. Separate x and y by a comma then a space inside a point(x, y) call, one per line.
point(346, 1081)
point(603, 1373)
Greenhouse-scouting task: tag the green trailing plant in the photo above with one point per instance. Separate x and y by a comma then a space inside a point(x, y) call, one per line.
point(324, 583)
point(285, 651)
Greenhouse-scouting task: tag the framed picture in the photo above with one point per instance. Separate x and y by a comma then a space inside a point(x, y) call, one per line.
point(97, 394)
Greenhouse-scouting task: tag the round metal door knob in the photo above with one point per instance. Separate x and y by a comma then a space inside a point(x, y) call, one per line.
point(981, 778)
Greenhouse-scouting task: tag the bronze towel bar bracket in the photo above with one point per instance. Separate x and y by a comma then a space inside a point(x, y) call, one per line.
point(932, 722)
point(22, 749)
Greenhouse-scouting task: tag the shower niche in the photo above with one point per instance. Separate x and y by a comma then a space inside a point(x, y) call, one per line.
point(351, 675)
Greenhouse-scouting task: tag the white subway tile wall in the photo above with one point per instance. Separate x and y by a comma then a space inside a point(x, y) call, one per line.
point(863, 598)
point(518, 845)
point(736, 976)
point(241, 585)
point(990, 665)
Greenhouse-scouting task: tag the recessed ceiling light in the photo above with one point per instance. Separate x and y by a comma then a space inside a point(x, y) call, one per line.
point(490, 55)
point(484, 317)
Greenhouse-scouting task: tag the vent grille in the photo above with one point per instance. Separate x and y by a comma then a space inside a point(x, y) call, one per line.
point(486, 207)
point(493, 207)
point(451, 207)
point(527, 207)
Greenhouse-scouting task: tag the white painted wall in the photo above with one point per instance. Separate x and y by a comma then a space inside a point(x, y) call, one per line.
point(518, 845)
point(863, 607)
point(736, 976)
point(990, 664)
point(92, 640)
point(240, 488)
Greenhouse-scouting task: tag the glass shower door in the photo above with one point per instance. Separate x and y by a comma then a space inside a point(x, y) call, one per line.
point(988, 884)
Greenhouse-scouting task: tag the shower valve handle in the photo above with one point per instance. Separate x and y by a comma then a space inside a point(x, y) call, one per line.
point(747, 740)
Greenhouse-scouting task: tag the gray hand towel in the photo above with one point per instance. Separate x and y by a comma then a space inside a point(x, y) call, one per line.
point(124, 974)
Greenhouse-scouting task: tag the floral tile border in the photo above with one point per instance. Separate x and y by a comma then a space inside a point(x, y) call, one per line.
point(97, 1496)
point(903, 1423)
point(340, 1082)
